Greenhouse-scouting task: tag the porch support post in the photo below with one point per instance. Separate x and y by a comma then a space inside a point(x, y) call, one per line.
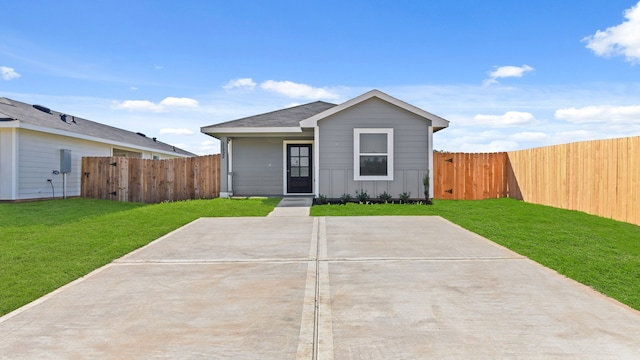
point(225, 167)
point(430, 157)
point(316, 161)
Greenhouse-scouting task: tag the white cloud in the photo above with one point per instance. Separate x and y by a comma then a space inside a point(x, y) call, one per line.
point(179, 102)
point(600, 114)
point(138, 105)
point(501, 145)
point(295, 90)
point(529, 136)
point(146, 105)
point(506, 72)
point(510, 118)
point(133, 88)
point(242, 83)
point(8, 73)
point(622, 39)
point(209, 147)
point(171, 131)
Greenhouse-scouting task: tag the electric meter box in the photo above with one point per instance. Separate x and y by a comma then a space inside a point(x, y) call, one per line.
point(65, 161)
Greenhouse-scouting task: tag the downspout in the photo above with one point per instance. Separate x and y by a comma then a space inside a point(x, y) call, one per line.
point(230, 169)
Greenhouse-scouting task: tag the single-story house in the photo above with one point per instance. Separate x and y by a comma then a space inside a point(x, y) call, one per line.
point(41, 150)
point(374, 143)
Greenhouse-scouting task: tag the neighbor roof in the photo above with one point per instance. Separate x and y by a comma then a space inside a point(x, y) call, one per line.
point(54, 122)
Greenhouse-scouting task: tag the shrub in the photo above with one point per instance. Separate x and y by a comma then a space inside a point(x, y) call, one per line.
point(345, 198)
point(362, 196)
point(385, 197)
point(426, 187)
point(321, 199)
point(404, 197)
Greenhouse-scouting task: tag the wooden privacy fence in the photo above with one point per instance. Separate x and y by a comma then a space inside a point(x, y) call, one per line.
point(598, 177)
point(463, 176)
point(151, 181)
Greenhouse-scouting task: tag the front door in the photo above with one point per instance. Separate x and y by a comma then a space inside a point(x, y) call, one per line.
point(299, 169)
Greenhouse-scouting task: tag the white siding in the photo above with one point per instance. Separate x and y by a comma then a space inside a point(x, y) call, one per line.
point(411, 150)
point(39, 156)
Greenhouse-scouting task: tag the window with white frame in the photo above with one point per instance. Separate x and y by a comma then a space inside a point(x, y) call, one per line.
point(373, 154)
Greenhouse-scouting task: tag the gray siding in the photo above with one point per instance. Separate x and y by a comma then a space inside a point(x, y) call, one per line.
point(257, 166)
point(411, 151)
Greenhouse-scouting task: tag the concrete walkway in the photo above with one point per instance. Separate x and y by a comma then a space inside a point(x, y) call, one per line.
point(293, 206)
point(298, 287)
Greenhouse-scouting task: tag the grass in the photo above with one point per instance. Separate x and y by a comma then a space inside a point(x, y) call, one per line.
point(46, 244)
point(601, 253)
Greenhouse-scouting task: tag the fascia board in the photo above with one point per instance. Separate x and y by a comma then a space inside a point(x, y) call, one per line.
point(223, 130)
point(10, 124)
point(96, 139)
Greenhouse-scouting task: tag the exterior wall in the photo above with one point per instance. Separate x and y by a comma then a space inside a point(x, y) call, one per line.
point(257, 166)
point(39, 156)
point(411, 150)
point(36, 155)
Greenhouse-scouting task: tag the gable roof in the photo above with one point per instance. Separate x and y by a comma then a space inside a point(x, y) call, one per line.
point(437, 122)
point(297, 118)
point(289, 117)
point(35, 117)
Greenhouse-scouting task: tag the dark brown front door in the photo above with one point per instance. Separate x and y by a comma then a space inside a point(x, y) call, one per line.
point(299, 169)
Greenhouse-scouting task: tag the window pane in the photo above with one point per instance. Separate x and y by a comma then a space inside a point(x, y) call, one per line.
point(373, 165)
point(304, 151)
point(304, 172)
point(295, 151)
point(295, 172)
point(304, 161)
point(295, 161)
point(373, 143)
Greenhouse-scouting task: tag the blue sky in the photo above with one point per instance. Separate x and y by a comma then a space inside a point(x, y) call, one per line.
point(508, 74)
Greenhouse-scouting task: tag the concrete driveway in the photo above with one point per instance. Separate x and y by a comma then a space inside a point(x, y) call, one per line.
point(288, 287)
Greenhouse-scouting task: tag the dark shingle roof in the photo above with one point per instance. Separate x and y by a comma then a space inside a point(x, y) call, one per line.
point(289, 117)
point(11, 110)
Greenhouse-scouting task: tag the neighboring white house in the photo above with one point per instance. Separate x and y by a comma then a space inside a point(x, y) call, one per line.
point(41, 150)
point(373, 142)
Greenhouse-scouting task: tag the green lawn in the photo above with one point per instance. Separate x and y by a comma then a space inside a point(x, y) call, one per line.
point(46, 244)
point(601, 253)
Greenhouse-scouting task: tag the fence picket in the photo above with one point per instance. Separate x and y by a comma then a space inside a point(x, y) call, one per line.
point(151, 181)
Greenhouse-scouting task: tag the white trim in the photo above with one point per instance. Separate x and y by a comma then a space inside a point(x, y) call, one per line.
point(229, 167)
point(430, 157)
point(284, 165)
point(356, 153)
point(436, 121)
point(241, 130)
point(316, 161)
